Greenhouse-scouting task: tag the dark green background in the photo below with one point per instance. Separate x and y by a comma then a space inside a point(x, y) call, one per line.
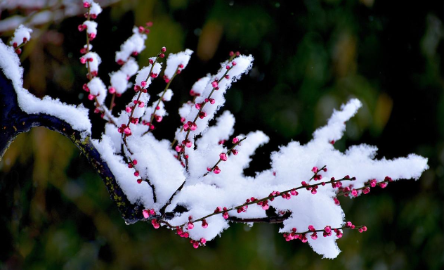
point(310, 57)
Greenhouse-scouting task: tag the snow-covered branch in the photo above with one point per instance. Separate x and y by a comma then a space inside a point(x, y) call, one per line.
point(38, 12)
point(195, 185)
point(20, 111)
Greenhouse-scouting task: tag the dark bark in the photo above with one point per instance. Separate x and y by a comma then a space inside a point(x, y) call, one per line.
point(14, 121)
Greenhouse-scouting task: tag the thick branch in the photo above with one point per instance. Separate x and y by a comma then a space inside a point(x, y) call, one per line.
point(14, 121)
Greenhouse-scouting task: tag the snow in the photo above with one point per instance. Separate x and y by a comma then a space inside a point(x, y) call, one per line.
point(119, 81)
point(200, 85)
point(95, 9)
point(95, 61)
point(176, 59)
point(77, 117)
point(56, 11)
point(130, 68)
point(21, 34)
point(243, 65)
point(222, 130)
point(163, 166)
point(143, 74)
point(168, 95)
point(134, 44)
point(124, 177)
point(98, 89)
point(336, 125)
point(185, 110)
point(139, 110)
point(89, 47)
point(91, 27)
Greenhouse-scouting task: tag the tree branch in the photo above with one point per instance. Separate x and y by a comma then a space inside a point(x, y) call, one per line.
point(14, 121)
point(270, 220)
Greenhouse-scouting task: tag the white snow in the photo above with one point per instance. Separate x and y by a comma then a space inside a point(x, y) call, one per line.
point(168, 95)
point(143, 74)
point(185, 110)
point(95, 9)
point(130, 68)
point(98, 89)
point(119, 81)
point(243, 65)
point(200, 85)
point(77, 117)
point(124, 176)
point(139, 110)
point(21, 34)
point(134, 44)
point(91, 27)
point(176, 59)
point(54, 12)
point(95, 61)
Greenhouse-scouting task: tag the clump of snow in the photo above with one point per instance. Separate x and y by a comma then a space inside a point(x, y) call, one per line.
point(163, 168)
point(144, 74)
point(199, 86)
point(130, 68)
point(133, 45)
point(168, 95)
point(336, 125)
point(243, 65)
point(92, 60)
point(21, 34)
point(158, 107)
point(124, 177)
point(139, 109)
point(319, 211)
point(95, 9)
point(88, 47)
point(185, 110)
point(98, 89)
point(222, 130)
point(77, 117)
point(176, 59)
point(91, 27)
point(119, 81)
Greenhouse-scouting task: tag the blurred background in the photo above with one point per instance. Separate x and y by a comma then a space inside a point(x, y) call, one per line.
point(310, 57)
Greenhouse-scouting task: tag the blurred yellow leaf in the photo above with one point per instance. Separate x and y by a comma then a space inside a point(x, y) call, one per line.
point(209, 40)
point(383, 110)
